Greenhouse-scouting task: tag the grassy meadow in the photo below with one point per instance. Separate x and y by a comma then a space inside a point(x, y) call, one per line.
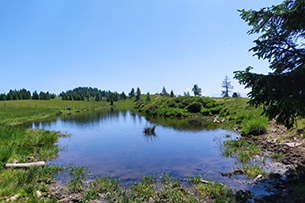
point(19, 144)
point(16, 112)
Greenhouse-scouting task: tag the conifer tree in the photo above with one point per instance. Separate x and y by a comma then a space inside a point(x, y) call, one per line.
point(281, 92)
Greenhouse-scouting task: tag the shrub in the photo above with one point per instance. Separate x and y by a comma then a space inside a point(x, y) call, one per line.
point(172, 104)
point(194, 107)
point(205, 112)
point(215, 110)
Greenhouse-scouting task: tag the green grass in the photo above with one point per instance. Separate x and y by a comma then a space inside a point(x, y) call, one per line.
point(211, 191)
point(278, 157)
point(77, 175)
point(22, 145)
point(25, 145)
point(253, 171)
point(150, 189)
point(244, 152)
point(255, 127)
point(241, 148)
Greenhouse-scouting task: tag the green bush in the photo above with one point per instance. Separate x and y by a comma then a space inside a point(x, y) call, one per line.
point(172, 104)
point(205, 112)
point(215, 110)
point(194, 107)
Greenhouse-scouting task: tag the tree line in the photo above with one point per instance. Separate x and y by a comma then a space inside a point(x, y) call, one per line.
point(24, 94)
point(89, 93)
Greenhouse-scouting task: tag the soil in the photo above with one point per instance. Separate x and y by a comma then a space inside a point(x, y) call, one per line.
point(288, 173)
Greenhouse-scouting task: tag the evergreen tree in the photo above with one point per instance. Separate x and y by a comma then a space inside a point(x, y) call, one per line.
point(42, 95)
point(132, 93)
point(123, 96)
point(18, 95)
point(52, 96)
point(115, 96)
point(197, 90)
point(63, 96)
point(9, 96)
point(47, 96)
point(138, 94)
point(35, 95)
point(164, 92)
point(281, 92)
point(172, 94)
point(2, 97)
point(25, 94)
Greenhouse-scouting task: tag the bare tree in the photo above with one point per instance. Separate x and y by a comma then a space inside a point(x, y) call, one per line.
point(226, 84)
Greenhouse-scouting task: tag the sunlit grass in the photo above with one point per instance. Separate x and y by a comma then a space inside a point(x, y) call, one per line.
point(278, 157)
point(15, 112)
point(19, 144)
point(148, 189)
point(211, 191)
point(253, 171)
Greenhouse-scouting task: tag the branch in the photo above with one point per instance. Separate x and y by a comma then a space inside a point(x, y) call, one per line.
point(24, 165)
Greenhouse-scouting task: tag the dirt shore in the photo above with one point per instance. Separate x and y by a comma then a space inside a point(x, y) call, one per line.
point(288, 175)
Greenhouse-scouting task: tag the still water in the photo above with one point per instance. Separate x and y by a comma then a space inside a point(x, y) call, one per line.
point(114, 144)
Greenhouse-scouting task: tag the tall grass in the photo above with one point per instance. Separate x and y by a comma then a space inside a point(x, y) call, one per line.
point(254, 126)
point(19, 144)
point(248, 118)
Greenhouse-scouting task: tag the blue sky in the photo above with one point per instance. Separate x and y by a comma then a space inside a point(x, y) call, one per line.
point(57, 45)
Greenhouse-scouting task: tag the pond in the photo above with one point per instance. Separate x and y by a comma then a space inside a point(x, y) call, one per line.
point(114, 144)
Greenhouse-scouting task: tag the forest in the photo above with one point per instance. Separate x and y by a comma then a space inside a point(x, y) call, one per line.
point(77, 94)
point(24, 94)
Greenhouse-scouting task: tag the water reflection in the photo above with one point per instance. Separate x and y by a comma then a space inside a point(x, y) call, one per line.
point(114, 144)
point(185, 124)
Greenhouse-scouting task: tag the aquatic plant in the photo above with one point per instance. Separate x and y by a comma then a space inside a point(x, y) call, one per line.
point(150, 131)
point(279, 157)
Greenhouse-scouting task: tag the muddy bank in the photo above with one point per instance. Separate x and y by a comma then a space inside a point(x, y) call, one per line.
point(287, 176)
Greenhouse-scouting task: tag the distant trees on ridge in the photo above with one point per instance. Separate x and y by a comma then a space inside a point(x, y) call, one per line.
point(24, 94)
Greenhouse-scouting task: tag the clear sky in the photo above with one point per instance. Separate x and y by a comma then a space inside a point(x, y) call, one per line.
point(58, 45)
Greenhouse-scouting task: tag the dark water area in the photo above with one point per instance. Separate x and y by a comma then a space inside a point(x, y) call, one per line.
point(114, 144)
